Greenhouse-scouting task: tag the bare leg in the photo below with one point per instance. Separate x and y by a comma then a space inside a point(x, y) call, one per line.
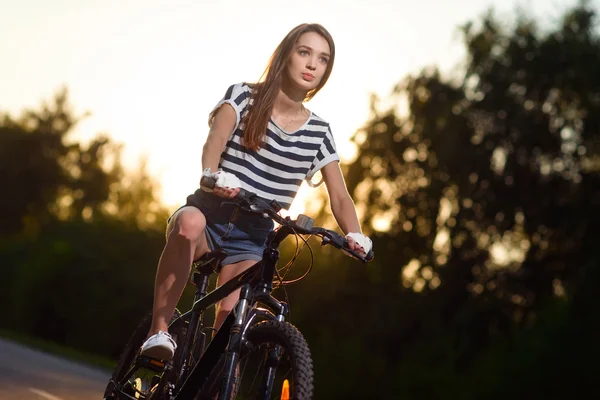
point(226, 305)
point(186, 241)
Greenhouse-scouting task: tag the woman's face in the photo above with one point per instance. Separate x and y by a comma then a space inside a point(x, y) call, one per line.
point(308, 61)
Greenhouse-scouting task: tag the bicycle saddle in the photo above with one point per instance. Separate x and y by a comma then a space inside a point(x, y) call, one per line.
point(210, 261)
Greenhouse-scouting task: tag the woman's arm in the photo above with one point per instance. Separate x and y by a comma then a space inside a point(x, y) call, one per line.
point(220, 131)
point(342, 206)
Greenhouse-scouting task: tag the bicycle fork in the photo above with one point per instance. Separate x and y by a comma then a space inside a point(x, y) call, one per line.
point(233, 354)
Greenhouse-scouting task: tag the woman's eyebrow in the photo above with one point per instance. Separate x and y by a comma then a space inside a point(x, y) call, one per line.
point(310, 48)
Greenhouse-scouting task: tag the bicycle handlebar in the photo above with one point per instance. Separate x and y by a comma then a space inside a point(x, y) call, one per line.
point(251, 202)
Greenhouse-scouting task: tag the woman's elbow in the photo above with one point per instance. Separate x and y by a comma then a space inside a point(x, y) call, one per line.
point(213, 145)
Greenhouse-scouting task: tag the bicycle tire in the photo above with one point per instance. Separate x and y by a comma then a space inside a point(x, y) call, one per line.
point(291, 340)
point(133, 345)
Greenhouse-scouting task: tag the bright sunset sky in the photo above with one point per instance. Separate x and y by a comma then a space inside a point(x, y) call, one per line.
point(150, 71)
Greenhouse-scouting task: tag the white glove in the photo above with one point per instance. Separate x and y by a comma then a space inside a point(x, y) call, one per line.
point(362, 241)
point(223, 179)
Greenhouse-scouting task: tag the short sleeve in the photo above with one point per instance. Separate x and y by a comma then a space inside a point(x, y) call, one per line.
point(237, 95)
point(327, 153)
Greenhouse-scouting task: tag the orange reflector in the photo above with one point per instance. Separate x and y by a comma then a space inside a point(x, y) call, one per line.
point(285, 390)
point(157, 363)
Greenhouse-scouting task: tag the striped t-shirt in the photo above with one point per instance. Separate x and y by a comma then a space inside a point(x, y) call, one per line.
point(278, 168)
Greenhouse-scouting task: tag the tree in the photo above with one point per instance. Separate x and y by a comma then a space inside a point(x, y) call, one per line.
point(51, 176)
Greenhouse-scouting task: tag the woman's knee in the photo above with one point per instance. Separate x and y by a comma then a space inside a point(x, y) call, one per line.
point(187, 224)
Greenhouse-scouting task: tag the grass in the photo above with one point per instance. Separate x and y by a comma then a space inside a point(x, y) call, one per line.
point(58, 350)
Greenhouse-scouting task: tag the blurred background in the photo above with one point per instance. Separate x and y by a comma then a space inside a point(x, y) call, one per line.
point(469, 133)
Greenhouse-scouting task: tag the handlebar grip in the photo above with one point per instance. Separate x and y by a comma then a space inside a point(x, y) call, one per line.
point(370, 255)
point(208, 182)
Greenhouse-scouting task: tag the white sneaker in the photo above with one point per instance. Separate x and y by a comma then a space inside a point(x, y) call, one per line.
point(160, 346)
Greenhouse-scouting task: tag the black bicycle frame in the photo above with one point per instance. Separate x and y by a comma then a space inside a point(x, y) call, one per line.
point(257, 284)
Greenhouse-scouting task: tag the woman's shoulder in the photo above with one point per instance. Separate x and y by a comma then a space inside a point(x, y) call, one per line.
point(316, 120)
point(239, 87)
point(238, 92)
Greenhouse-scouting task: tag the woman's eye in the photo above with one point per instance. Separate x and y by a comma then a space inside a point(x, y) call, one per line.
point(324, 60)
point(303, 52)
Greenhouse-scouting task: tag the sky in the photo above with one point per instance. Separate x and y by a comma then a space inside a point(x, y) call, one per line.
point(150, 71)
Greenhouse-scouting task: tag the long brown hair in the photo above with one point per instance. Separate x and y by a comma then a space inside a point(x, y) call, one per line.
point(265, 92)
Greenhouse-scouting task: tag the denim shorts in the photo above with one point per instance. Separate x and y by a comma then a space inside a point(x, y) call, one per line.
point(243, 236)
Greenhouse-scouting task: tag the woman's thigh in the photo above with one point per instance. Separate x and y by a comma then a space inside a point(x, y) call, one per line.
point(226, 274)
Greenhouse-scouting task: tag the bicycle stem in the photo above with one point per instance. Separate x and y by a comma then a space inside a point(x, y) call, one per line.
point(270, 258)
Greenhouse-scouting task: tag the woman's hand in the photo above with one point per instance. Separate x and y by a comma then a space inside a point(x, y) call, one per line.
point(226, 185)
point(226, 192)
point(359, 243)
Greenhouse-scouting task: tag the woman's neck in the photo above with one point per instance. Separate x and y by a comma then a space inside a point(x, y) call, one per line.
point(289, 100)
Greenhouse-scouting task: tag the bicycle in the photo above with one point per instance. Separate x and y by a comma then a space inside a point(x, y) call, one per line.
point(200, 371)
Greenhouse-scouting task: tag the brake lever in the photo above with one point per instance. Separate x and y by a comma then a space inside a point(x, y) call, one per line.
point(247, 202)
point(340, 242)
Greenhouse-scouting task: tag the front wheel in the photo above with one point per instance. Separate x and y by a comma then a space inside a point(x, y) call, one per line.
point(275, 363)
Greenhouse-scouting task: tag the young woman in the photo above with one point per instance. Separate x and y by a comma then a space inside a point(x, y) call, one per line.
point(264, 140)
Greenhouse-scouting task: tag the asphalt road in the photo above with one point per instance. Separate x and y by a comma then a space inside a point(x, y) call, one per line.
point(27, 374)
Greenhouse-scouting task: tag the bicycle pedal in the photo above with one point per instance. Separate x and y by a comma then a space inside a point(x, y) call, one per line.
point(151, 363)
